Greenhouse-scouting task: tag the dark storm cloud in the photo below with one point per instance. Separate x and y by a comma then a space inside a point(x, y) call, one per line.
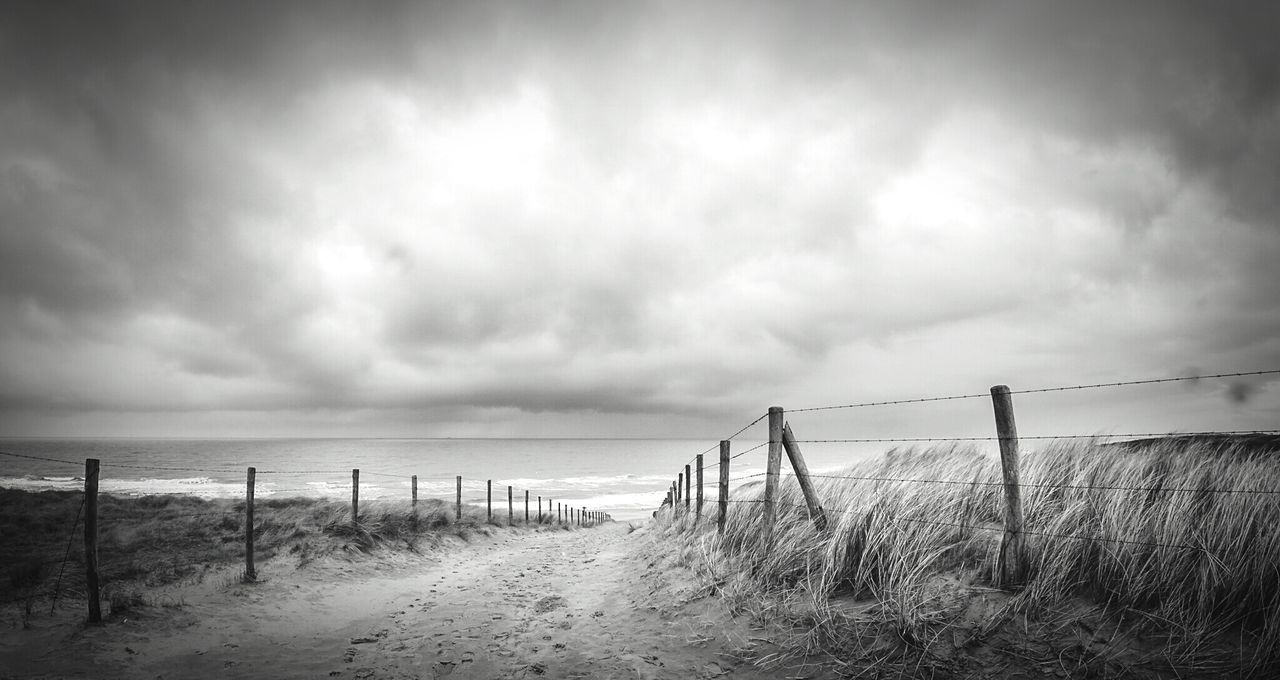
point(627, 208)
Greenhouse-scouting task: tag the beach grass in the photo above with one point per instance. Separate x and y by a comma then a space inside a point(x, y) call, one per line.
point(1164, 555)
point(151, 541)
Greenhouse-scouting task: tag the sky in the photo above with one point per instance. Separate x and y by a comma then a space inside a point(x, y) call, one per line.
point(634, 219)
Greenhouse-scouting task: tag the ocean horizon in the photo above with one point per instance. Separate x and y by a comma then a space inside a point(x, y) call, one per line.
point(625, 477)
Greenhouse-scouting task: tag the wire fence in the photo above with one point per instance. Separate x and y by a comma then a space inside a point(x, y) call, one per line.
point(254, 513)
point(681, 491)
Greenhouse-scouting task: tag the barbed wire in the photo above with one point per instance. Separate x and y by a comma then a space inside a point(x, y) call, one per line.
point(754, 448)
point(1064, 388)
point(49, 460)
point(1043, 485)
point(729, 438)
point(883, 440)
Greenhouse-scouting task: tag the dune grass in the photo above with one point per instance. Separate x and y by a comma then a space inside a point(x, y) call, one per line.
point(1163, 556)
point(151, 541)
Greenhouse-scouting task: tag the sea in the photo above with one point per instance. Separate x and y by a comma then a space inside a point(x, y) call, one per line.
point(627, 478)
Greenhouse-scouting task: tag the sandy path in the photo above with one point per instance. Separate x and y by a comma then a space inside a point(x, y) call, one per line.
point(553, 604)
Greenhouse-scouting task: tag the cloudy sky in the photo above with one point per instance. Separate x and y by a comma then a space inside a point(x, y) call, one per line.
point(632, 219)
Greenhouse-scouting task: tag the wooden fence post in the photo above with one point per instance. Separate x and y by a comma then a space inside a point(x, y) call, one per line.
point(559, 517)
point(91, 538)
point(526, 506)
point(250, 574)
point(698, 510)
point(488, 496)
point(459, 511)
point(1010, 567)
point(511, 508)
point(816, 513)
point(414, 503)
point(679, 487)
point(355, 498)
point(771, 475)
point(724, 483)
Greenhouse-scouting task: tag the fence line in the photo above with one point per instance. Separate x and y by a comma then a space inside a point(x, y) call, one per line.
point(1011, 566)
point(567, 516)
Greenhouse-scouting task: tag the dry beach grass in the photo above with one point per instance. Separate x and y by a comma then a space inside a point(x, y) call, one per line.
point(1160, 558)
point(151, 541)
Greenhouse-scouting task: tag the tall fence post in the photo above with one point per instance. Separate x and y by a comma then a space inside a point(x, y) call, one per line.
point(679, 487)
point(724, 484)
point(488, 499)
point(526, 506)
point(355, 498)
point(559, 517)
point(414, 493)
point(1010, 567)
point(511, 510)
point(250, 574)
point(539, 509)
point(816, 513)
point(698, 510)
point(91, 538)
point(771, 475)
point(459, 511)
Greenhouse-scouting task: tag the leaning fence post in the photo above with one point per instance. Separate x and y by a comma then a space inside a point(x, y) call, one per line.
point(679, 487)
point(459, 511)
point(771, 474)
point(250, 574)
point(724, 483)
point(91, 538)
point(355, 498)
point(816, 512)
point(1010, 568)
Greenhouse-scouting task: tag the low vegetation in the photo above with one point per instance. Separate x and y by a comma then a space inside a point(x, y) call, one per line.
point(151, 541)
point(1161, 558)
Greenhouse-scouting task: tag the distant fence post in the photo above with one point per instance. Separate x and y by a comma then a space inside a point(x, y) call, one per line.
point(91, 538)
point(724, 484)
point(355, 498)
point(816, 512)
point(488, 499)
point(414, 493)
point(771, 474)
point(698, 510)
point(459, 511)
point(250, 574)
point(1010, 568)
point(511, 508)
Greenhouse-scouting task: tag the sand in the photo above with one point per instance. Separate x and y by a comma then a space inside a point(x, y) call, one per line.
point(582, 604)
